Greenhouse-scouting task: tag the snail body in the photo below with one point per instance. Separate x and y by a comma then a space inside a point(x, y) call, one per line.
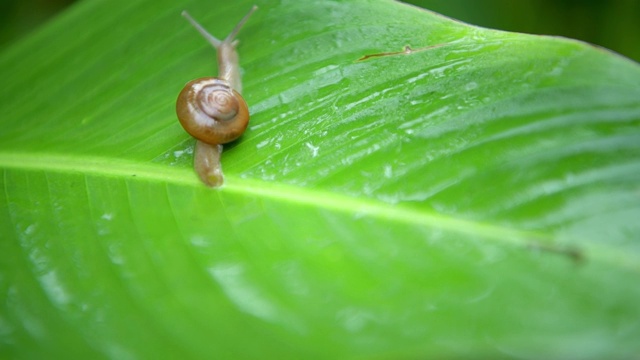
point(211, 109)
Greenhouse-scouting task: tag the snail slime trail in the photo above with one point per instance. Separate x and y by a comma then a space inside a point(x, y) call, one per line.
point(211, 109)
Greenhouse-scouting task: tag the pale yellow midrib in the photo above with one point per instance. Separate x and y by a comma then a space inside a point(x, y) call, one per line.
point(120, 168)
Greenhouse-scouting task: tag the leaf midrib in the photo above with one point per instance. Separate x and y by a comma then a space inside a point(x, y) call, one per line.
point(319, 199)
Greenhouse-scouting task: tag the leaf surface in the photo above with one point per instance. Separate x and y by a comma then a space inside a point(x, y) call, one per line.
point(476, 196)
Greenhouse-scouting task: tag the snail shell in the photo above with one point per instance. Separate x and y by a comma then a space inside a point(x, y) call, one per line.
point(211, 111)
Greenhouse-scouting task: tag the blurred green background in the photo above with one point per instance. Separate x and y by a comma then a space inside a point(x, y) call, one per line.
point(19, 17)
point(614, 24)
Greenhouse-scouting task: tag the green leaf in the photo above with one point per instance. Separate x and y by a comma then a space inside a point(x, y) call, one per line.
point(478, 198)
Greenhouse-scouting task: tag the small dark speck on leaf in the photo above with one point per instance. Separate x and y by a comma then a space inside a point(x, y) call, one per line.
point(405, 51)
point(571, 252)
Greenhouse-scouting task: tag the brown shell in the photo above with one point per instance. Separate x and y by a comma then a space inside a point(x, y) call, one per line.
point(211, 111)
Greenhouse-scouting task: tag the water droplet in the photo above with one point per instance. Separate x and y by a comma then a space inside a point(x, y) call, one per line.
point(314, 149)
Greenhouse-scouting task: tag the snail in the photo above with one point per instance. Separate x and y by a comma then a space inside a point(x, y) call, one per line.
point(211, 109)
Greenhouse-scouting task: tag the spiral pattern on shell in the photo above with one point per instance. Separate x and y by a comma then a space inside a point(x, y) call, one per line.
point(211, 111)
